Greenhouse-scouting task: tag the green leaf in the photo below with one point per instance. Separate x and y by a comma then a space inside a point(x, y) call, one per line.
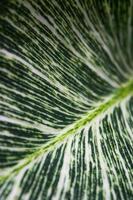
point(66, 100)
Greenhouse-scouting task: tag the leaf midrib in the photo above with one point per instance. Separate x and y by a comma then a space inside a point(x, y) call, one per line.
point(118, 95)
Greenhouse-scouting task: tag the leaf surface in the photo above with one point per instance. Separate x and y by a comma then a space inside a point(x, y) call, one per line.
point(66, 100)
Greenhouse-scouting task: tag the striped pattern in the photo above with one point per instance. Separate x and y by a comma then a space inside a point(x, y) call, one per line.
point(66, 96)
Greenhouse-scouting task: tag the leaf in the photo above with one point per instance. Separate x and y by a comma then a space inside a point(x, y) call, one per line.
point(66, 100)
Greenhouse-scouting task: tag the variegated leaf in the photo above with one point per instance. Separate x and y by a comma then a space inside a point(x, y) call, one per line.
point(66, 100)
